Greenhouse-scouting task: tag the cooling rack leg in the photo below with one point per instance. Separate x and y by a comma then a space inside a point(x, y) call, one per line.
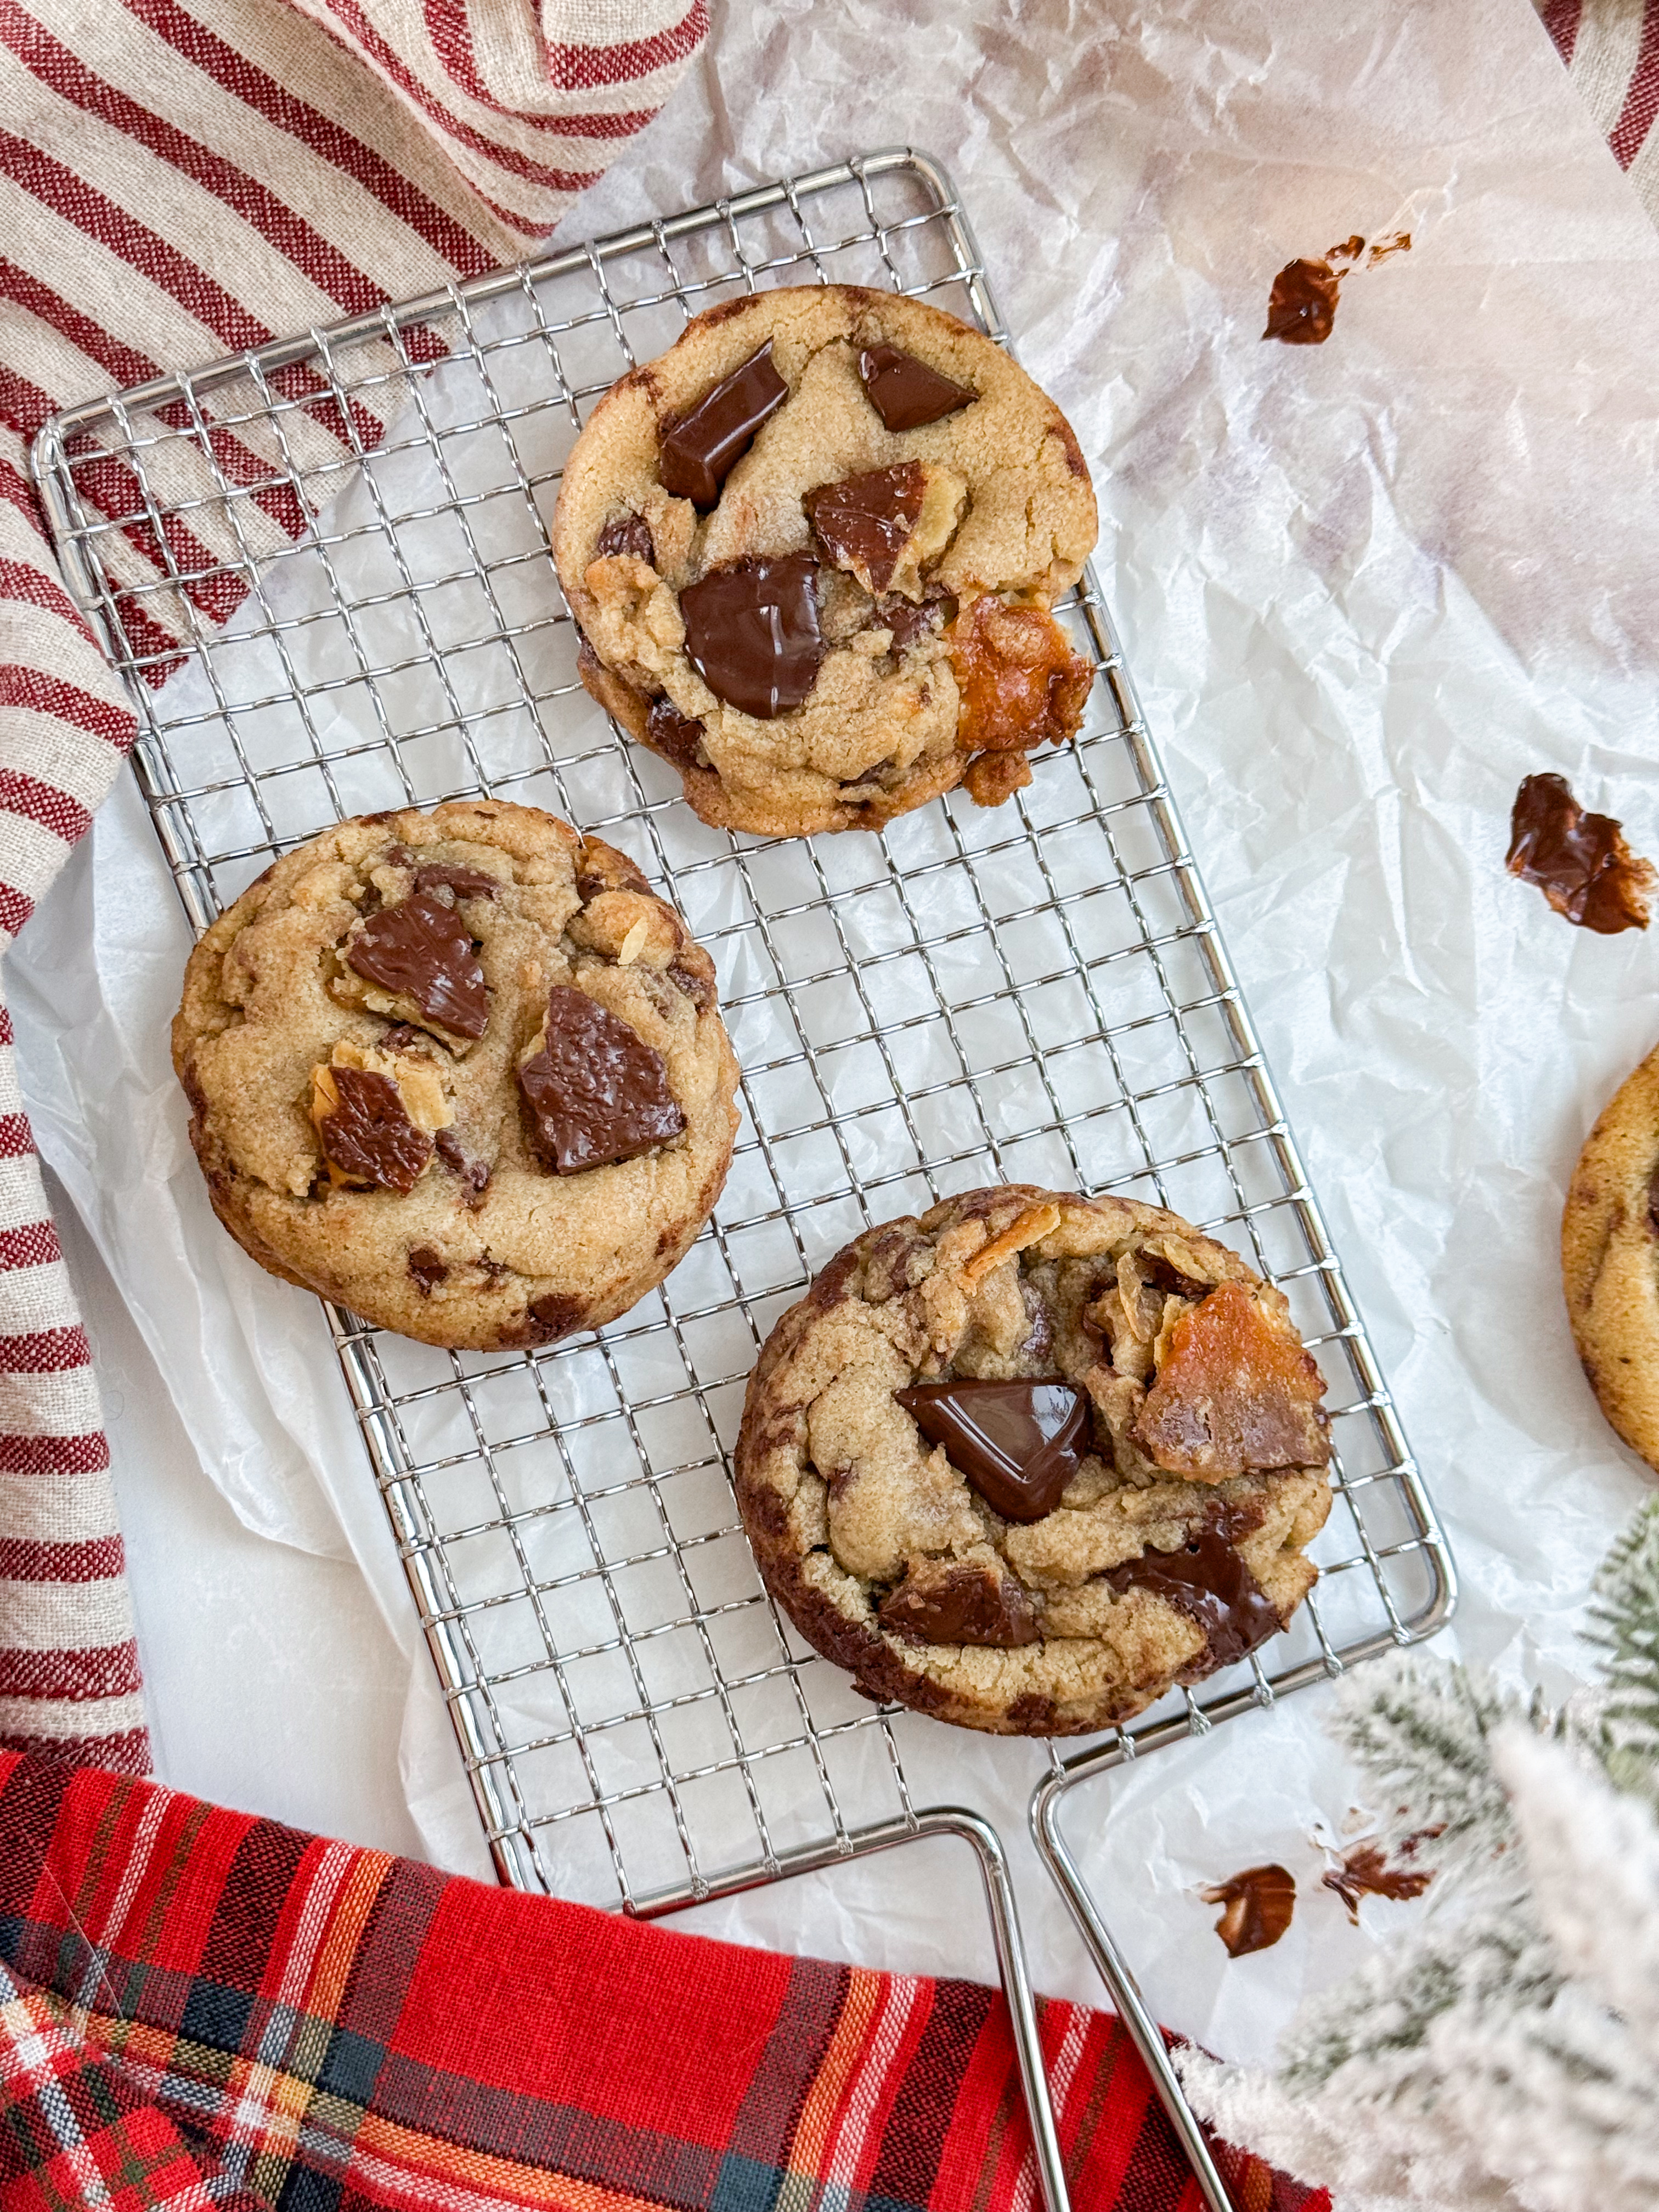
point(1126, 1996)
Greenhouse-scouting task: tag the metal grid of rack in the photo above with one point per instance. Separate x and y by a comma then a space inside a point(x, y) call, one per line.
point(324, 569)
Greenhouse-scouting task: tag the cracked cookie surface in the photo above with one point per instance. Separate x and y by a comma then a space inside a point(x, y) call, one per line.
point(1610, 1259)
point(812, 551)
point(1027, 1461)
point(460, 1072)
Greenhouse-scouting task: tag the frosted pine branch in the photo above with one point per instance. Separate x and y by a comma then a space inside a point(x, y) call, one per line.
point(1624, 1624)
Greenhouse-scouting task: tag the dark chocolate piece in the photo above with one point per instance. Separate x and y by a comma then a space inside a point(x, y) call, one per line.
point(905, 392)
point(450, 875)
point(952, 1601)
point(626, 533)
point(674, 735)
point(864, 522)
point(422, 950)
point(698, 988)
point(1207, 1580)
point(1301, 305)
point(597, 1092)
point(1363, 1872)
point(369, 1133)
point(1018, 1444)
point(553, 1315)
point(474, 1173)
point(1579, 861)
point(1232, 1393)
point(909, 621)
point(401, 1036)
point(752, 634)
point(1259, 1903)
point(1653, 1201)
point(427, 1265)
point(701, 449)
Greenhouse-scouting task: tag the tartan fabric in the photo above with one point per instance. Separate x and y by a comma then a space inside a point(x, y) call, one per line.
point(180, 178)
point(198, 2008)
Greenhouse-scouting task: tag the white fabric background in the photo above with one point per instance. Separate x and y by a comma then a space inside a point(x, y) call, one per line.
point(1363, 588)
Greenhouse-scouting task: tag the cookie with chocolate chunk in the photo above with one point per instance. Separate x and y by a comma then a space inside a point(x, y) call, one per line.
point(813, 551)
point(1610, 1259)
point(1029, 1461)
point(459, 1072)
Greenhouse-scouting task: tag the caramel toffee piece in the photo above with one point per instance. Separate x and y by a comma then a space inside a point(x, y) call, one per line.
point(864, 522)
point(905, 392)
point(701, 450)
point(629, 534)
point(948, 1601)
point(597, 1092)
point(1233, 1393)
point(366, 1132)
point(421, 951)
point(752, 633)
point(1018, 1444)
point(1208, 1580)
point(1021, 683)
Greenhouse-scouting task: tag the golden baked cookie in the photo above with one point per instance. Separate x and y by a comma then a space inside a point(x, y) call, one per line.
point(812, 549)
point(459, 1072)
point(1027, 1461)
point(1610, 1259)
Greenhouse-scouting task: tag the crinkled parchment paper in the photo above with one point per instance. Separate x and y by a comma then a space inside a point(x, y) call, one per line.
point(1364, 588)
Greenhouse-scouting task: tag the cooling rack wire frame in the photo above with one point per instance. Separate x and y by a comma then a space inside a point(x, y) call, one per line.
point(322, 568)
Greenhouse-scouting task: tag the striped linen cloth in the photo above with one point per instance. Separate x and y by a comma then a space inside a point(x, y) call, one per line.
point(198, 2007)
point(1611, 48)
point(180, 178)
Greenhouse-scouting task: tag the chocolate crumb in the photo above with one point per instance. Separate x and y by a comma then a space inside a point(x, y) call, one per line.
point(426, 1265)
point(473, 1173)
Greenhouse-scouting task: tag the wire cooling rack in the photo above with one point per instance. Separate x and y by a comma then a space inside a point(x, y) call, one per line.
point(324, 569)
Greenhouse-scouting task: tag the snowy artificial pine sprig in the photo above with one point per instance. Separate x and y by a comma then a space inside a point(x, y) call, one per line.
point(1506, 2053)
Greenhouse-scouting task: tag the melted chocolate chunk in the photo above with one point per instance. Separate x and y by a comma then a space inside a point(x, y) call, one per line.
point(474, 1173)
point(427, 1265)
point(905, 392)
point(1018, 1444)
point(450, 875)
point(401, 1036)
point(1301, 305)
point(909, 621)
point(1653, 1202)
point(951, 1602)
point(421, 951)
point(597, 1093)
point(369, 1135)
point(1364, 1872)
point(1259, 1903)
point(864, 523)
point(1579, 861)
point(1208, 1582)
point(552, 1316)
point(701, 449)
point(697, 988)
point(626, 533)
point(752, 634)
point(674, 735)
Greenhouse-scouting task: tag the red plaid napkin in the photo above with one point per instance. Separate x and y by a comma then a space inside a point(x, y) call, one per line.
point(197, 2006)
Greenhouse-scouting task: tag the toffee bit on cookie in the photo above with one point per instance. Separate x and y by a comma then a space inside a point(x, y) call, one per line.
point(421, 951)
point(701, 449)
point(1021, 684)
point(905, 392)
point(367, 1136)
point(1234, 1391)
point(1579, 861)
point(1027, 1228)
point(596, 1092)
point(1259, 1903)
point(960, 1601)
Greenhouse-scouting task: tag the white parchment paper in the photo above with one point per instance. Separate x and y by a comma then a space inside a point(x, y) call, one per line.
point(1364, 588)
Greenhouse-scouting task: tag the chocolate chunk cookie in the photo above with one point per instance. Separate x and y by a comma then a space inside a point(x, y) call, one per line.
point(812, 550)
point(1026, 1462)
point(1610, 1259)
point(459, 1072)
